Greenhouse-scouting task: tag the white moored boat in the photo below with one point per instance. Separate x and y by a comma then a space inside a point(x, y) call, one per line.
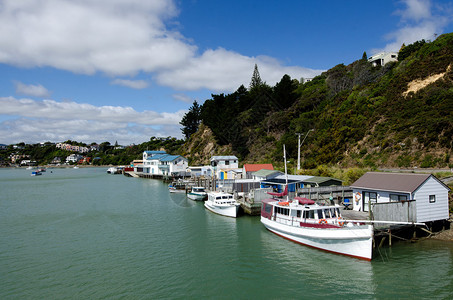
point(222, 204)
point(198, 193)
point(322, 227)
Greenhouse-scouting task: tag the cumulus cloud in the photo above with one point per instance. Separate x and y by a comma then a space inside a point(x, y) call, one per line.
point(119, 38)
point(135, 84)
point(420, 19)
point(49, 120)
point(115, 37)
point(223, 70)
point(31, 90)
point(182, 97)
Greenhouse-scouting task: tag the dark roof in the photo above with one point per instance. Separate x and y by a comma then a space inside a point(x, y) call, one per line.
point(319, 179)
point(397, 182)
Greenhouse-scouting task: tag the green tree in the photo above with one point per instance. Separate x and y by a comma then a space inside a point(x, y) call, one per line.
point(256, 78)
point(191, 120)
point(364, 56)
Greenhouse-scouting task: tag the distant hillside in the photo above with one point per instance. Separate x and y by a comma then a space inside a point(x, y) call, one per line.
point(398, 115)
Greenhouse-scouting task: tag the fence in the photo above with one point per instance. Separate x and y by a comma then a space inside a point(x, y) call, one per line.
point(404, 211)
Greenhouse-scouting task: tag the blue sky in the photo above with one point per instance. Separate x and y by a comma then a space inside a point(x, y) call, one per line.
point(127, 70)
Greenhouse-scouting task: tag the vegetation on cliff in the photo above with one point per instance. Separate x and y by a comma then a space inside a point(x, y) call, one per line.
point(397, 115)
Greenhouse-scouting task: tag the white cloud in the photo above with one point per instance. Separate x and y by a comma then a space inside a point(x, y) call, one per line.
point(223, 70)
point(419, 20)
point(134, 84)
point(115, 37)
point(119, 38)
point(416, 10)
point(49, 120)
point(31, 90)
point(182, 97)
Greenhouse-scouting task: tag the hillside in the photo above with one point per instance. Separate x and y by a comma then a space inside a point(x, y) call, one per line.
point(398, 115)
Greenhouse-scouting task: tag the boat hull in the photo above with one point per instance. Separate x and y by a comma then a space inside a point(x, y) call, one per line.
point(197, 196)
point(355, 241)
point(228, 211)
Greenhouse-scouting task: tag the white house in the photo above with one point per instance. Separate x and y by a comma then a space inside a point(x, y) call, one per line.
point(226, 167)
point(74, 158)
point(425, 191)
point(201, 171)
point(382, 58)
point(160, 163)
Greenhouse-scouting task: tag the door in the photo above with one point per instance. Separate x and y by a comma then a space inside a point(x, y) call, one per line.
point(368, 198)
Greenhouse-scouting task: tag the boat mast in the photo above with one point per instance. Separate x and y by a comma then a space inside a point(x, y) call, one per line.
point(286, 172)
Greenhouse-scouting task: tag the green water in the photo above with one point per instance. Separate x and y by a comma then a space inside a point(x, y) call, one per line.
point(84, 234)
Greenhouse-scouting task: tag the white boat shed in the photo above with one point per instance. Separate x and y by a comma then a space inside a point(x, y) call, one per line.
point(427, 195)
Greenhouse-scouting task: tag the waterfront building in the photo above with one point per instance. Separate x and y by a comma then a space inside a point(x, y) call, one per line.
point(404, 197)
point(248, 169)
point(226, 167)
point(159, 163)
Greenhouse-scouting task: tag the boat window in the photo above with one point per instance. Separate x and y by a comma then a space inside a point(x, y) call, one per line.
point(298, 213)
point(309, 214)
point(320, 215)
point(268, 208)
point(327, 213)
point(332, 212)
point(338, 212)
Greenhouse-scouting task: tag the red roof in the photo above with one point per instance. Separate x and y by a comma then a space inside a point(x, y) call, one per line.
point(257, 167)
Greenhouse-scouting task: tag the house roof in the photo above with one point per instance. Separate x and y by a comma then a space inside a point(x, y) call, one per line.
point(397, 182)
point(319, 179)
point(257, 167)
point(155, 152)
point(265, 173)
point(157, 157)
point(171, 157)
point(223, 157)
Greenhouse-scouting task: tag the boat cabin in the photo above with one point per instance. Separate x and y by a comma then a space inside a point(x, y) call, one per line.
point(221, 198)
point(294, 212)
point(198, 189)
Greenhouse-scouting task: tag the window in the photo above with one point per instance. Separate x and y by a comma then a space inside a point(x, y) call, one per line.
point(432, 198)
point(397, 198)
point(227, 162)
point(320, 214)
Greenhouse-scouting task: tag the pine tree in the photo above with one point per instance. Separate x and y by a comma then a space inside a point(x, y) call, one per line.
point(256, 78)
point(364, 56)
point(191, 120)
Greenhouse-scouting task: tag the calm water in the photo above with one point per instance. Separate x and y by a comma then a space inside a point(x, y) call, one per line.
point(81, 233)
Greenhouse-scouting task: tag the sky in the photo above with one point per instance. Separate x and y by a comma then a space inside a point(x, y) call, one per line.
point(124, 71)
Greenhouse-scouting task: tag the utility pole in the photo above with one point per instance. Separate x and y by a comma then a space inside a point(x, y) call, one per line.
point(298, 151)
point(299, 144)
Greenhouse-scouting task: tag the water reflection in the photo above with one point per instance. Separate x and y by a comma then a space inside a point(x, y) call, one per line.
point(311, 270)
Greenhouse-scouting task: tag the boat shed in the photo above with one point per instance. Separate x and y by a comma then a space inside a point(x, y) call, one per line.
point(263, 175)
point(248, 169)
point(404, 196)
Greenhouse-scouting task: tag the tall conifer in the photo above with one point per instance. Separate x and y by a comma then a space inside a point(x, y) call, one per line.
point(256, 78)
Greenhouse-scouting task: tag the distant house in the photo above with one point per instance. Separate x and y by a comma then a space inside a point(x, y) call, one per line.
point(56, 160)
point(226, 167)
point(3, 147)
point(317, 181)
point(197, 171)
point(426, 195)
point(161, 163)
point(73, 158)
point(382, 58)
point(263, 174)
point(248, 169)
